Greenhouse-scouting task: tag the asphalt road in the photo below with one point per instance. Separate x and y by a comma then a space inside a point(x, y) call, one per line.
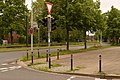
point(9, 70)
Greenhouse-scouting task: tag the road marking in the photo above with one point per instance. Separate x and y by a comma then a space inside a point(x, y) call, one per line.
point(18, 67)
point(71, 77)
point(5, 64)
point(99, 79)
point(3, 68)
point(10, 68)
point(13, 67)
point(12, 63)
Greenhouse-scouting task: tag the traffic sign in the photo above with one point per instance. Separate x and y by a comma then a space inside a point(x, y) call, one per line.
point(49, 7)
point(31, 30)
point(34, 24)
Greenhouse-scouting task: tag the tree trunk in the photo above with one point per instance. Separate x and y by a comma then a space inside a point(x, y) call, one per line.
point(85, 45)
point(11, 37)
point(67, 39)
point(26, 31)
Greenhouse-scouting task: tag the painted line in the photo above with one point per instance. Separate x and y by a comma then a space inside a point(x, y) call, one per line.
point(18, 67)
point(3, 68)
point(5, 64)
point(12, 63)
point(13, 67)
point(99, 79)
point(71, 77)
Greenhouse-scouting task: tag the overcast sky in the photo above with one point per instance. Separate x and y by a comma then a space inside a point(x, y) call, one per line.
point(105, 4)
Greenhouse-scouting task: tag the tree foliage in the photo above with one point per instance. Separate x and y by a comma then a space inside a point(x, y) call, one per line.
point(113, 21)
point(13, 18)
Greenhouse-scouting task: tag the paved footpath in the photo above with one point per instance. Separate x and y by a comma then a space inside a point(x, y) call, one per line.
point(87, 62)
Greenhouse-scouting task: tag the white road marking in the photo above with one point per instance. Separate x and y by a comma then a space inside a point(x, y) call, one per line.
point(13, 67)
point(4, 64)
point(3, 68)
point(99, 79)
point(71, 77)
point(18, 67)
point(12, 63)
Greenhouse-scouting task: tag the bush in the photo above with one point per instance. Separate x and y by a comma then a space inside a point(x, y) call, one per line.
point(1, 41)
point(22, 39)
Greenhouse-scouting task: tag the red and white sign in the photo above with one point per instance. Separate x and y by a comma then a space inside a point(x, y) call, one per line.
point(31, 30)
point(49, 7)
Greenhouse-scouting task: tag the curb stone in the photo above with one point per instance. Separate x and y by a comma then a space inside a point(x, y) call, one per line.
point(78, 74)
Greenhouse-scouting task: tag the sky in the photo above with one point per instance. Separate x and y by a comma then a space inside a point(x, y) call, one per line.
point(105, 4)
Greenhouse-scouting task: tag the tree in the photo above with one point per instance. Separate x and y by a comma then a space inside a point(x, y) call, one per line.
point(87, 16)
point(83, 15)
point(13, 18)
point(113, 30)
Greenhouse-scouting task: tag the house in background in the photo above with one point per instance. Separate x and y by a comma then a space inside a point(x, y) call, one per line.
point(15, 37)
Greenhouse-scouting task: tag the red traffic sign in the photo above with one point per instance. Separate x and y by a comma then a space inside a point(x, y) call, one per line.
point(31, 30)
point(49, 7)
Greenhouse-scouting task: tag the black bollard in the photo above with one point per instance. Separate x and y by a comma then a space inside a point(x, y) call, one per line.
point(27, 54)
point(38, 54)
point(71, 62)
point(58, 51)
point(47, 56)
point(49, 62)
point(32, 57)
point(100, 70)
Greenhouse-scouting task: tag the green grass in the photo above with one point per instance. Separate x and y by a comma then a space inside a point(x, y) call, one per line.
point(43, 68)
point(64, 52)
point(35, 63)
point(56, 65)
point(43, 45)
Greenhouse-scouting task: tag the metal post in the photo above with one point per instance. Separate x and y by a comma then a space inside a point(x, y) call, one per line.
point(58, 54)
point(71, 62)
point(38, 54)
point(31, 26)
point(27, 54)
point(49, 30)
point(32, 57)
point(100, 63)
point(47, 56)
point(38, 34)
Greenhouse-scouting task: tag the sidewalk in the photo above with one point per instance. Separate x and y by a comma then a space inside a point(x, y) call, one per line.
point(84, 63)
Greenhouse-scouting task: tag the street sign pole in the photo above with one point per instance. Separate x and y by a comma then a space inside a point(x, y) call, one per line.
point(49, 7)
point(49, 30)
point(32, 28)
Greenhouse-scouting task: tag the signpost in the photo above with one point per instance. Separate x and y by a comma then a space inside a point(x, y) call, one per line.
point(31, 31)
point(49, 7)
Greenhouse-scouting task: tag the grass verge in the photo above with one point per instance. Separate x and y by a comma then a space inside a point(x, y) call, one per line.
point(64, 52)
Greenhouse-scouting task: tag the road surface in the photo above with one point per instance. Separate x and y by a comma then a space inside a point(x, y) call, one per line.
point(9, 70)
